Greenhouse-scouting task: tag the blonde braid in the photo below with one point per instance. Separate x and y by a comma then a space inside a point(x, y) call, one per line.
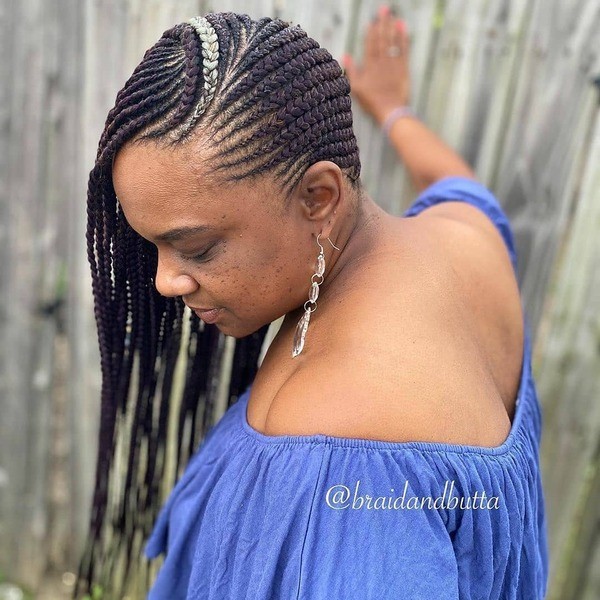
point(210, 54)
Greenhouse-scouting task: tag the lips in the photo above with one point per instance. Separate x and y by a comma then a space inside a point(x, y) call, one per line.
point(207, 315)
point(198, 309)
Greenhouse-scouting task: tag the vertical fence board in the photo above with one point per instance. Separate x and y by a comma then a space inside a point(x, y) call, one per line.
point(568, 369)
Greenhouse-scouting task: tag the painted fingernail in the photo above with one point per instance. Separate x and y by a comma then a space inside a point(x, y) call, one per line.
point(400, 25)
point(384, 10)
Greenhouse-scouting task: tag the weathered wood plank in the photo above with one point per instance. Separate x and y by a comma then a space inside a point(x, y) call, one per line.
point(568, 384)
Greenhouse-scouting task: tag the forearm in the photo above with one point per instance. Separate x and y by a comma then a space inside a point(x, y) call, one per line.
point(426, 157)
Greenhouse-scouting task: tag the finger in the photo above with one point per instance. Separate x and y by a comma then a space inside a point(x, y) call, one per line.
point(402, 35)
point(350, 67)
point(386, 31)
point(397, 38)
point(371, 41)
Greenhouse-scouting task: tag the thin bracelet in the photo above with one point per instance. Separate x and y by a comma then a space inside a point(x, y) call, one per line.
point(397, 113)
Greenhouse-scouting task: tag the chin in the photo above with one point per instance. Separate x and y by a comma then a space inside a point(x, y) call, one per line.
point(245, 332)
point(230, 331)
point(240, 328)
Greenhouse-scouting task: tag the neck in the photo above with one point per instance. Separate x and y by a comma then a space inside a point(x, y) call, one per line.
point(356, 238)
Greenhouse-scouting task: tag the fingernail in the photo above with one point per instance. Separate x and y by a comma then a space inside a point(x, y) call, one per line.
point(400, 25)
point(384, 10)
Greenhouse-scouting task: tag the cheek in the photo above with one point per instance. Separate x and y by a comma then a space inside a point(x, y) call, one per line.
point(276, 278)
point(291, 273)
point(268, 274)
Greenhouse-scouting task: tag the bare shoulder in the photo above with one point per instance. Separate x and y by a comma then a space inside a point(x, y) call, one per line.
point(455, 219)
point(437, 357)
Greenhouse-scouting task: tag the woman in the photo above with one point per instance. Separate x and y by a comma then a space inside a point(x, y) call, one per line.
point(387, 445)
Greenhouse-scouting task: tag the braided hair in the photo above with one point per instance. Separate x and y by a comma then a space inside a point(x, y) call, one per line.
point(265, 99)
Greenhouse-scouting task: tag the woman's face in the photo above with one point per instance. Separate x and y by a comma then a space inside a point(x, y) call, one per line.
point(240, 252)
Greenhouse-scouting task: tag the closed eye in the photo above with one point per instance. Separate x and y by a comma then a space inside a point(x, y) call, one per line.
point(198, 257)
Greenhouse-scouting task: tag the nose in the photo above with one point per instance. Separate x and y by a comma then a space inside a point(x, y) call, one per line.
point(171, 281)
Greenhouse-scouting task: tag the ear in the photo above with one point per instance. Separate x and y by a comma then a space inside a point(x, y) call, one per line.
point(320, 190)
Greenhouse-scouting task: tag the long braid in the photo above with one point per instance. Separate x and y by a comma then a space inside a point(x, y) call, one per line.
point(267, 99)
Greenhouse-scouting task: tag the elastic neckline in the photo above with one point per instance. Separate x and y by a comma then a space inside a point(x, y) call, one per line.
point(319, 438)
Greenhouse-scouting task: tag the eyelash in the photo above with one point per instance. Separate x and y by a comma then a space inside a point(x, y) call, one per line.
point(198, 257)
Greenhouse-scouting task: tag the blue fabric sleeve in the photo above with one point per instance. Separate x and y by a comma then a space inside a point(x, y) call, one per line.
point(474, 193)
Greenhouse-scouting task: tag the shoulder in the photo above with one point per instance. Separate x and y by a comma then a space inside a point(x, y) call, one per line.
point(412, 403)
point(406, 362)
point(459, 206)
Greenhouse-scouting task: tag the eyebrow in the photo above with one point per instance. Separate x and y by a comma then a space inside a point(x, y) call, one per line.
point(174, 235)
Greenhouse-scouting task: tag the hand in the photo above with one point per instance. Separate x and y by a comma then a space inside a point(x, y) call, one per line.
point(382, 82)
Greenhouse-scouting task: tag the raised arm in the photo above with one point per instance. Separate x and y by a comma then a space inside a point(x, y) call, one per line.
point(381, 84)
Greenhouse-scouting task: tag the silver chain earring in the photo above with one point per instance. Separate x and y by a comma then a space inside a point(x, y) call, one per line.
point(312, 299)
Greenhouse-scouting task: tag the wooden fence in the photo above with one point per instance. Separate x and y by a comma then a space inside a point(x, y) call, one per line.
point(512, 84)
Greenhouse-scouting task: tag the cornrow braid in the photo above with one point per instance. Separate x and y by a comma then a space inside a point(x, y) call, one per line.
point(210, 54)
point(266, 100)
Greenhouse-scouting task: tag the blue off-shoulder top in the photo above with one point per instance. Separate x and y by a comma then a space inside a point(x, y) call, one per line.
point(319, 517)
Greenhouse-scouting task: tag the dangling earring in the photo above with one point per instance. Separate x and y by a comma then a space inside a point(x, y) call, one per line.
point(312, 298)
